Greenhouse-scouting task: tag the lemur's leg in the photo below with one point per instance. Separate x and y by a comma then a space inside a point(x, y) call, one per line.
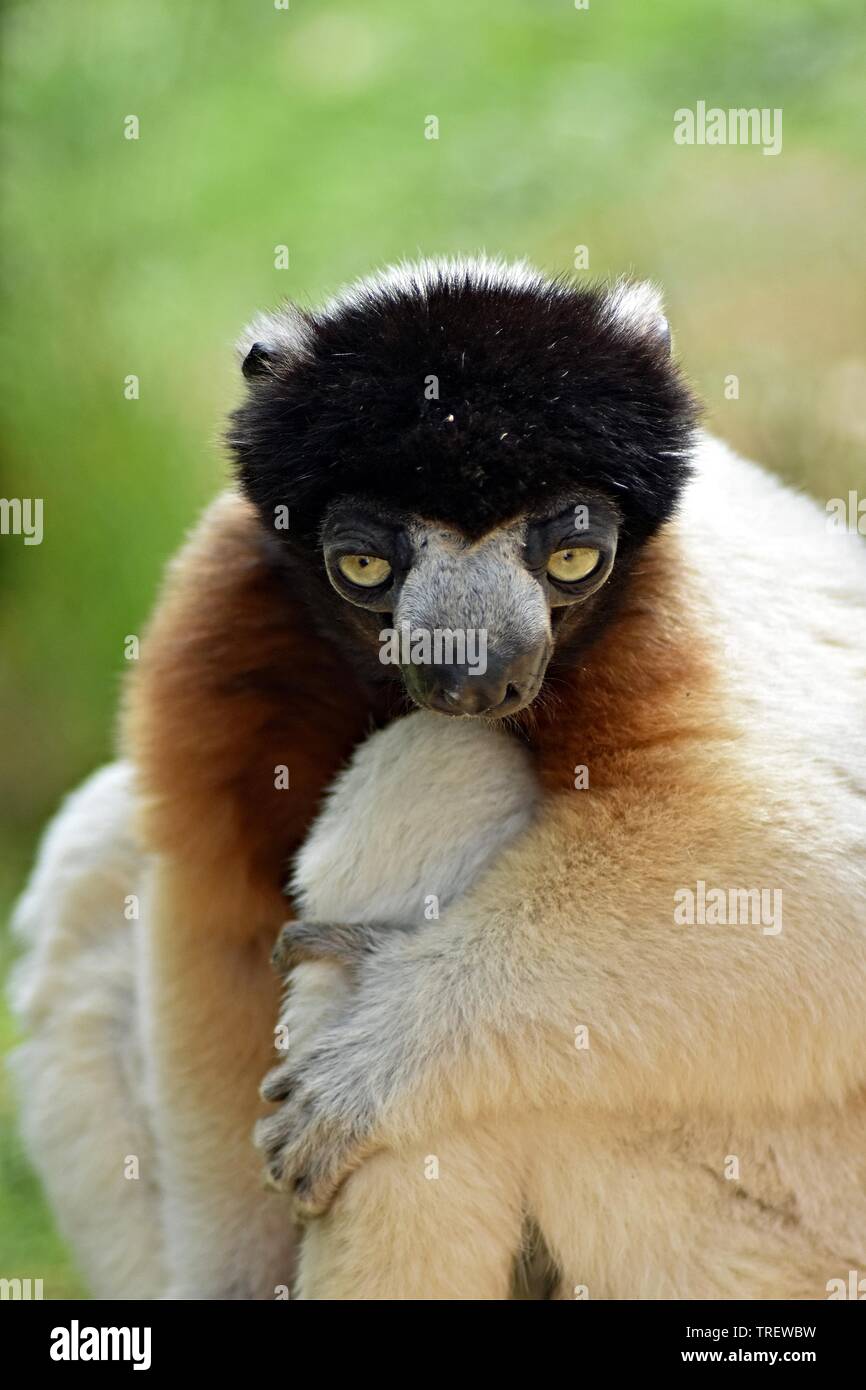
point(630, 1211)
point(627, 1210)
point(210, 1015)
point(438, 1222)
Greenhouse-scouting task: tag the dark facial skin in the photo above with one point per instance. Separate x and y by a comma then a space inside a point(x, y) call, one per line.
point(555, 617)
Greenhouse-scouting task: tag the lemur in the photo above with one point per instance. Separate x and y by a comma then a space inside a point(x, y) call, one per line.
point(500, 1017)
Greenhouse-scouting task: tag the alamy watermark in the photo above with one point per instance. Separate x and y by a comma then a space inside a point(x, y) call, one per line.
point(21, 1289)
point(854, 1287)
point(738, 125)
point(77, 1343)
point(729, 907)
point(848, 515)
point(22, 516)
point(438, 646)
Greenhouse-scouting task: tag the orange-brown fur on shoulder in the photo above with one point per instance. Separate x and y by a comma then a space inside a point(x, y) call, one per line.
point(649, 681)
point(234, 683)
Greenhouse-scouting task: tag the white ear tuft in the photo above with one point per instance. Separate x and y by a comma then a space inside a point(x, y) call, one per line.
point(284, 333)
point(637, 305)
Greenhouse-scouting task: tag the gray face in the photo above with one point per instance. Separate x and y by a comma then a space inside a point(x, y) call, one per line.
point(469, 622)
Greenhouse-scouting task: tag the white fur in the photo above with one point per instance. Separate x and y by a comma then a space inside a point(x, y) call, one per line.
point(637, 305)
point(430, 825)
point(417, 278)
point(80, 1075)
point(398, 840)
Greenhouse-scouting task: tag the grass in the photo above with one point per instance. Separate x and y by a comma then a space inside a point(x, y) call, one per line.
point(262, 128)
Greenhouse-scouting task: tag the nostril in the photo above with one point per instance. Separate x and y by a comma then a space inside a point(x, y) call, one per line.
point(456, 691)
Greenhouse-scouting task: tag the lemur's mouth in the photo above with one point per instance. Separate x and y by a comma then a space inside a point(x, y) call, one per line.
point(492, 689)
point(454, 706)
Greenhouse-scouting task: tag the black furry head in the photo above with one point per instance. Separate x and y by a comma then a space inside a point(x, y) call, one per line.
point(467, 393)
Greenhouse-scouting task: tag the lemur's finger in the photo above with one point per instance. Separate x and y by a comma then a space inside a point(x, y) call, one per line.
point(281, 956)
point(299, 941)
point(278, 1085)
point(345, 942)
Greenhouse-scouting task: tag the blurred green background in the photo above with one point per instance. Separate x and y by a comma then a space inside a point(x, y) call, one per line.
point(260, 128)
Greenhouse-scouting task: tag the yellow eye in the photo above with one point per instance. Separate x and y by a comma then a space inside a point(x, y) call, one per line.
point(365, 570)
point(575, 563)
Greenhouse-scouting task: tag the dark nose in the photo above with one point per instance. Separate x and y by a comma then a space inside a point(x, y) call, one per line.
point(457, 690)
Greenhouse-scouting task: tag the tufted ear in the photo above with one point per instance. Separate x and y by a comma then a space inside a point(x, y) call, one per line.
point(257, 360)
point(638, 307)
point(278, 337)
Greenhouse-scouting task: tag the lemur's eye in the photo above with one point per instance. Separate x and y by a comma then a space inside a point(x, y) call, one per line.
point(367, 571)
point(575, 563)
